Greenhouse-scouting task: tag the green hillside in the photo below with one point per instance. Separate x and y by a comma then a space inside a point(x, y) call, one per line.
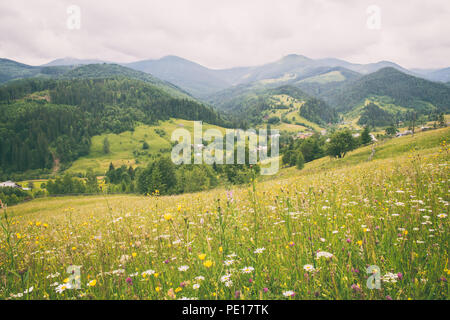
point(127, 147)
point(10, 70)
point(44, 122)
point(98, 71)
point(330, 220)
point(417, 94)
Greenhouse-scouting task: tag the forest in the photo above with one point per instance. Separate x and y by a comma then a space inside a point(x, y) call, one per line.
point(48, 121)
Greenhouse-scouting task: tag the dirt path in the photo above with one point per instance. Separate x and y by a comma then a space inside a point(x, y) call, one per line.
point(56, 165)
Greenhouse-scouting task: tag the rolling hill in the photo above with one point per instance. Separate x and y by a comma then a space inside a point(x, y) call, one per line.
point(69, 61)
point(203, 82)
point(441, 75)
point(405, 90)
point(126, 148)
point(44, 121)
point(314, 76)
point(281, 107)
point(10, 70)
point(194, 78)
point(98, 71)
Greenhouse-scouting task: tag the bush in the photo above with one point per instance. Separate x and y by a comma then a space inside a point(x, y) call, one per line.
point(11, 196)
point(273, 120)
point(340, 143)
point(300, 161)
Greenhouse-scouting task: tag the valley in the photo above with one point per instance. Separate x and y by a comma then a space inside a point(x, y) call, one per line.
point(361, 180)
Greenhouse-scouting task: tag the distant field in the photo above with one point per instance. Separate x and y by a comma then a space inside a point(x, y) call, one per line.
point(333, 76)
point(292, 114)
point(308, 234)
point(385, 103)
point(127, 147)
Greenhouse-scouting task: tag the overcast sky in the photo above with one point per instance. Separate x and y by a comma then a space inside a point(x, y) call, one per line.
point(228, 33)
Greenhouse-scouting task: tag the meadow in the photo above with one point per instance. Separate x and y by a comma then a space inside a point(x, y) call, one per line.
point(126, 147)
point(303, 234)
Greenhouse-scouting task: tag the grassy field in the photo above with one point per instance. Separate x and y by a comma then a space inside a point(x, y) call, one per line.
point(127, 147)
point(308, 234)
point(333, 76)
point(292, 114)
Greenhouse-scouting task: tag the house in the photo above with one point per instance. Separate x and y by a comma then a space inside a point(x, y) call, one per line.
point(9, 184)
point(404, 133)
point(303, 135)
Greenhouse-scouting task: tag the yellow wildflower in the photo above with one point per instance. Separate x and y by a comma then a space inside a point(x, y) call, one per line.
point(202, 256)
point(207, 263)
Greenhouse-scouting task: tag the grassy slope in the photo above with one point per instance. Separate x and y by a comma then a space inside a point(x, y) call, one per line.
point(124, 144)
point(333, 76)
point(383, 150)
point(290, 114)
point(364, 213)
point(393, 150)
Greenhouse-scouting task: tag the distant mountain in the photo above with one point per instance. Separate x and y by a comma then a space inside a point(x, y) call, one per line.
point(316, 77)
point(203, 82)
point(47, 120)
point(404, 90)
point(10, 70)
point(194, 78)
point(442, 75)
point(248, 102)
point(329, 79)
point(318, 111)
point(375, 116)
point(361, 68)
point(68, 61)
point(96, 71)
point(310, 83)
point(289, 67)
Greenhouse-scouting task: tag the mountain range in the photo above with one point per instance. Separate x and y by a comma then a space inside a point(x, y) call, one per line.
point(343, 85)
point(201, 81)
point(50, 113)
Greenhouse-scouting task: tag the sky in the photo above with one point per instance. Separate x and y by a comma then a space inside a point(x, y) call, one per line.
point(227, 33)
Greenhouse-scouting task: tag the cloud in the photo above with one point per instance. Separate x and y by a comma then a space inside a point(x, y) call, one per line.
point(230, 33)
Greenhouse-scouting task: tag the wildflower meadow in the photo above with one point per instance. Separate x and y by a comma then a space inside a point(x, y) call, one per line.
point(339, 229)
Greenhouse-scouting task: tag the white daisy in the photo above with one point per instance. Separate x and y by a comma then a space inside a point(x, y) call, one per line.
point(247, 269)
point(308, 267)
point(288, 293)
point(183, 268)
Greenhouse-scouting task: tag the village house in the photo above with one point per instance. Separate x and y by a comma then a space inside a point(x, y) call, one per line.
point(9, 184)
point(303, 135)
point(404, 133)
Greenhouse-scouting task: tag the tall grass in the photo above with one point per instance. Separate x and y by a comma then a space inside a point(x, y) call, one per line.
point(309, 236)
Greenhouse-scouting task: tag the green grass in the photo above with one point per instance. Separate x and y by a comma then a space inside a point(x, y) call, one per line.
point(384, 102)
point(292, 114)
point(124, 145)
point(391, 212)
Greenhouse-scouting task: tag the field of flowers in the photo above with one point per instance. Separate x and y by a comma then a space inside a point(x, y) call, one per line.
point(312, 235)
